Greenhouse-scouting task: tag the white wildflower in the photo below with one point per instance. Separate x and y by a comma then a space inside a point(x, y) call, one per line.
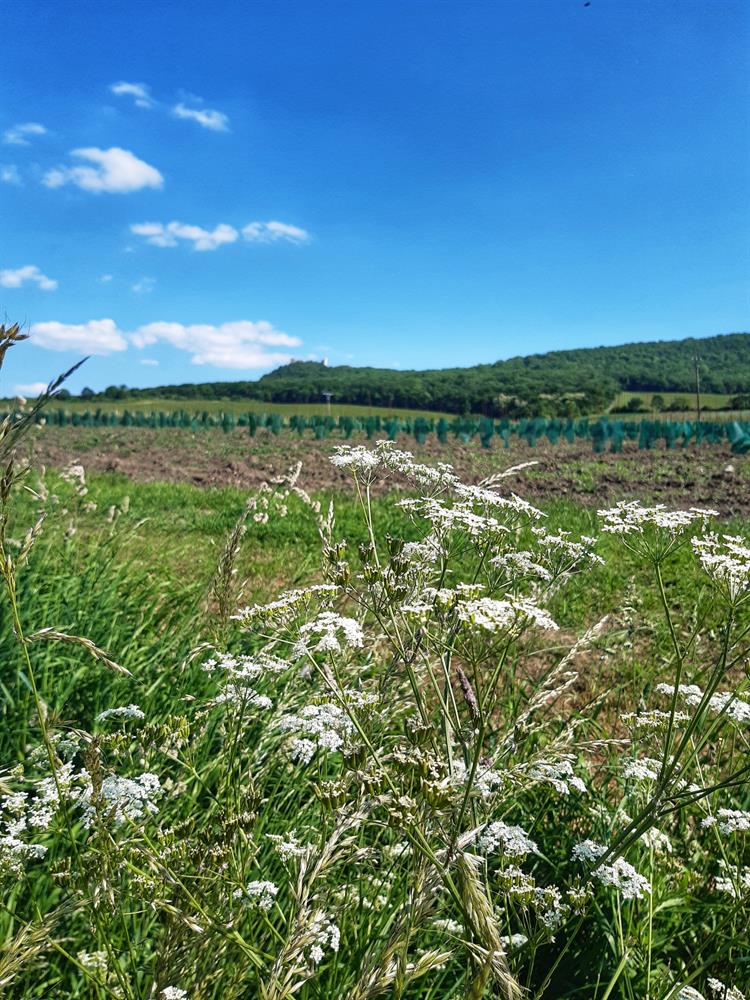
point(493, 615)
point(486, 778)
point(93, 961)
point(729, 821)
point(120, 799)
point(325, 934)
point(260, 893)
point(630, 517)
point(173, 993)
point(124, 712)
point(327, 727)
point(726, 703)
point(559, 774)
point(513, 940)
point(727, 561)
point(327, 632)
point(288, 847)
point(620, 874)
point(287, 607)
point(733, 882)
point(642, 769)
point(589, 851)
point(723, 992)
point(657, 841)
point(512, 840)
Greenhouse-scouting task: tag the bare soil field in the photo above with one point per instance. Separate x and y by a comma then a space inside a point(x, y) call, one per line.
point(696, 476)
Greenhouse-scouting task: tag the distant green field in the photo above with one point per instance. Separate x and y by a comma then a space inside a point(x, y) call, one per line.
point(709, 400)
point(239, 406)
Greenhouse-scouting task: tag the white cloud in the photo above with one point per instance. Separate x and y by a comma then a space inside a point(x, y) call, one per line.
point(105, 278)
point(216, 121)
point(16, 278)
point(18, 135)
point(115, 170)
point(9, 174)
point(98, 336)
point(272, 232)
point(152, 362)
point(31, 389)
point(140, 93)
point(242, 344)
point(160, 235)
point(143, 286)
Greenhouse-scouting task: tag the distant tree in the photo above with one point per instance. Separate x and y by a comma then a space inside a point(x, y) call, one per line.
point(634, 404)
point(87, 393)
point(657, 403)
point(63, 394)
point(678, 404)
point(741, 401)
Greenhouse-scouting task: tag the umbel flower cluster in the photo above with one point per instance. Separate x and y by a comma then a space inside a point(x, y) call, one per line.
point(408, 779)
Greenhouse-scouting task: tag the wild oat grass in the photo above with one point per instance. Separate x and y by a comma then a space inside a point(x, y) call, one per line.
point(410, 778)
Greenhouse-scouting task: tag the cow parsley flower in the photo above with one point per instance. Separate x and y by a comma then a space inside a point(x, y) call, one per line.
point(631, 517)
point(620, 874)
point(325, 934)
point(513, 841)
point(327, 632)
point(729, 821)
point(288, 847)
point(723, 992)
point(657, 841)
point(731, 705)
point(173, 993)
point(15, 854)
point(260, 893)
point(559, 774)
point(287, 607)
point(124, 712)
point(324, 727)
point(120, 799)
point(726, 560)
point(642, 769)
point(496, 616)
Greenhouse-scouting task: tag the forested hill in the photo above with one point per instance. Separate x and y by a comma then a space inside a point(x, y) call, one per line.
point(557, 382)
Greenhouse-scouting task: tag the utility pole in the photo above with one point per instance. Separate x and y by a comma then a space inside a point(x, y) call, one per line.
point(696, 360)
point(327, 397)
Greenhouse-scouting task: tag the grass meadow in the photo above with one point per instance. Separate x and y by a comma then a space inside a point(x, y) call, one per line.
point(408, 738)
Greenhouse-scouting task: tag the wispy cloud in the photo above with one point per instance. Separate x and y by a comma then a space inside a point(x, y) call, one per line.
point(216, 121)
point(31, 389)
point(114, 171)
point(11, 278)
point(9, 174)
point(190, 108)
point(140, 92)
point(170, 234)
point(105, 278)
point(239, 345)
point(272, 232)
point(160, 235)
point(21, 135)
point(151, 362)
point(143, 286)
point(98, 336)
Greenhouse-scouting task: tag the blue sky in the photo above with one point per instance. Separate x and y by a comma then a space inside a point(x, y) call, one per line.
point(195, 192)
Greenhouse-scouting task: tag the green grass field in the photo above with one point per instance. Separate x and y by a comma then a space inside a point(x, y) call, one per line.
point(190, 853)
point(236, 407)
point(713, 403)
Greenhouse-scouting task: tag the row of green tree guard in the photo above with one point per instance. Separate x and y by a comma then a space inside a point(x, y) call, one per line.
point(604, 433)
